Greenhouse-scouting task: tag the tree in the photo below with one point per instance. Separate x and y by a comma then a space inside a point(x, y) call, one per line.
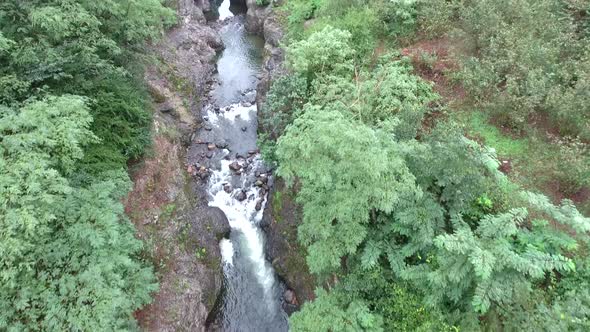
point(325, 52)
point(68, 255)
point(330, 312)
point(346, 172)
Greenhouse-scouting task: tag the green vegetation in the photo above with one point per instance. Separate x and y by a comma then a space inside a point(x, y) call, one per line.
point(409, 224)
point(72, 113)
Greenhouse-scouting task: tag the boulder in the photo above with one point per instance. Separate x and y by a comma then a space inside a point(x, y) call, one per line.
point(221, 145)
point(235, 166)
point(258, 206)
point(273, 33)
point(241, 196)
point(290, 297)
point(166, 107)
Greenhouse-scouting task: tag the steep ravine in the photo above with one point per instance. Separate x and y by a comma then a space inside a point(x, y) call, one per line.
point(179, 189)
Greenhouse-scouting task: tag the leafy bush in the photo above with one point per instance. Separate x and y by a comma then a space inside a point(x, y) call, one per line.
point(325, 52)
point(361, 21)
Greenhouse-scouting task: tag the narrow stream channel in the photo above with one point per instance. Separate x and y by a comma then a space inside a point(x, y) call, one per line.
point(239, 184)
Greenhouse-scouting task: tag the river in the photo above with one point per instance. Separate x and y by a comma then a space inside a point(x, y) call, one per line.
point(251, 299)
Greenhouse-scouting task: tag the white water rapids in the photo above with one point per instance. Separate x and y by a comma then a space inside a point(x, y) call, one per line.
point(242, 216)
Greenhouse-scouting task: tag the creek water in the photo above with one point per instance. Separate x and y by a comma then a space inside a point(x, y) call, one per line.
point(252, 294)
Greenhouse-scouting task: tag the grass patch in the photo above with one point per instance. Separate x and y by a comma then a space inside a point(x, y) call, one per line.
point(479, 126)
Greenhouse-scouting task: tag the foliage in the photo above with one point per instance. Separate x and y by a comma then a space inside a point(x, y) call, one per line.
point(329, 312)
point(361, 21)
point(323, 53)
point(344, 175)
point(416, 225)
point(518, 64)
point(71, 115)
point(68, 254)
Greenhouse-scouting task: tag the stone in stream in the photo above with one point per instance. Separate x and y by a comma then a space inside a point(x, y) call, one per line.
point(203, 173)
point(208, 128)
point(221, 144)
point(258, 183)
point(244, 128)
point(209, 155)
point(206, 118)
point(241, 196)
point(211, 146)
point(235, 166)
point(258, 206)
point(227, 188)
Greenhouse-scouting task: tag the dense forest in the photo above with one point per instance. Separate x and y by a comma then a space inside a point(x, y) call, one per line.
point(409, 222)
point(439, 151)
point(72, 113)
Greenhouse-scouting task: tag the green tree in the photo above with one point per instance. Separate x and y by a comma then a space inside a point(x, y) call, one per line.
point(331, 312)
point(68, 255)
point(347, 171)
point(325, 52)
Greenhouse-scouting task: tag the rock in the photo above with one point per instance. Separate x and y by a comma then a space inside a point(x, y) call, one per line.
point(244, 128)
point(227, 188)
point(235, 166)
point(273, 33)
point(191, 170)
point(258, 206)
point(290, 297)
point(246, 104)
point(208, 128)
point(206, 118)
point(251, 152)
point(166, 107)
point(258, 183)
point(209, 155)
point(211, 146)
point(216, 108)
point(255, 16)
point(241, 196)
point(221, 144)
point(263, 178)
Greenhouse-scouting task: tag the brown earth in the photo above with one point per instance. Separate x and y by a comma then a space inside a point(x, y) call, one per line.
point(434, 61)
